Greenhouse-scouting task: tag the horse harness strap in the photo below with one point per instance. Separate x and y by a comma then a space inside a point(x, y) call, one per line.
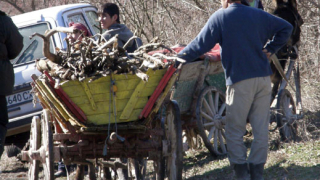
point(277, 64)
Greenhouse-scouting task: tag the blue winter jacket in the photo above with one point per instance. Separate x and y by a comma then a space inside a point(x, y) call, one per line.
point(242, 33)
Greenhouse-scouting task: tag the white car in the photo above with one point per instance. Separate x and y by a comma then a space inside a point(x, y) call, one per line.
point(21, 105)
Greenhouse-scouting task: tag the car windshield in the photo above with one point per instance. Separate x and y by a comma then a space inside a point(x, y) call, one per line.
point(32, 48)
point(93, 19)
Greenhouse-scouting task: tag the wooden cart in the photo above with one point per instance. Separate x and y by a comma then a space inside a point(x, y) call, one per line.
point(200, 93)
point(201, 98)
point(287, 110)
point(118, 116)
point(121, 116)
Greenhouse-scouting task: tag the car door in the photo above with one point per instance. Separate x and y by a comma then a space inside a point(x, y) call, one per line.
point(21, 104)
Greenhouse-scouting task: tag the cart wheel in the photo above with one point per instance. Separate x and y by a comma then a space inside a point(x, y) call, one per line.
point(172, 145)
point(122, 173)
point(12, 150)
point(34, 145)
point(193, 138)
point(210, 113)
point(158, 161)
point(47, 145)
point(106, 173)
point(79, 172)
point(159, 169)
point(286, 116)
point(139, 165)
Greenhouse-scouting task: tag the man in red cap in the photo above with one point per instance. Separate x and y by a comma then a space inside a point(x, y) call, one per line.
point(81, 32)
point(80, 27)
point(74, 39)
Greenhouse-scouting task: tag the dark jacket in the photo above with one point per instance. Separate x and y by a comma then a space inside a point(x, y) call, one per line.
point(11, 43)
point(124, 34)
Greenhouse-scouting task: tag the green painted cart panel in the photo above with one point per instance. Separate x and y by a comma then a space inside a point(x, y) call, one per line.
point(183, 94)
point(217, 80)
point(185, 86)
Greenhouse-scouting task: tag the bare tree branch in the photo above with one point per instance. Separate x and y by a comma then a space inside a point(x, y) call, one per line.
point(14, 4)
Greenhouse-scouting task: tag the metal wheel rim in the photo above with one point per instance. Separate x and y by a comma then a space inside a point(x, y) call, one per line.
point(210, 114)
point(35, 144)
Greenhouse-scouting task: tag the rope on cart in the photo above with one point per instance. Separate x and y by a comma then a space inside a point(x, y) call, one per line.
point(115, 109)
point(112, 95)
point(105, 141)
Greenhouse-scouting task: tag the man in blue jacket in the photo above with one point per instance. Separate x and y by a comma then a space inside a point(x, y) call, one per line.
point(243, 33)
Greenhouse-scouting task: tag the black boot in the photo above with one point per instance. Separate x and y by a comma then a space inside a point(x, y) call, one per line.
point(241, 171)
point(3, 132)
point(256, 171)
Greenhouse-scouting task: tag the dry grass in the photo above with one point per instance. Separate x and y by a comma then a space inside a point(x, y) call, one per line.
point(299, 160)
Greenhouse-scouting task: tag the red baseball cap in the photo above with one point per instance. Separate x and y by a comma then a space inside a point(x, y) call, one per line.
point(80, 27)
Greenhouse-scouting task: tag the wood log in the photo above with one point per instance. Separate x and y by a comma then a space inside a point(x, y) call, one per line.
point(46, 42)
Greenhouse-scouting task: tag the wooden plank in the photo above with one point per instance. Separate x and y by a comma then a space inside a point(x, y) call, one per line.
point(165, 92)
point(155, 77)
point(68, 102)
point(58, 105)
point(133, 100)
point(204, 69)
point(162, 84)
point(89, 95)
point(70, 90)
point(103, 119)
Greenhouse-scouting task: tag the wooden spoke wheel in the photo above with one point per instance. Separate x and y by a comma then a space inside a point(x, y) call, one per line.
point(210, 113)
point(139, 167)
point(123, 172)
point(47, 146)
point(158, 162)
point(194, 140)
point(35, 144)
point(172, 144)
point(159, 169)
point(286, 116)
point(106, 173)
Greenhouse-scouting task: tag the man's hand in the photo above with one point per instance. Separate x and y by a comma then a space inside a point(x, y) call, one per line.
point(268, 54)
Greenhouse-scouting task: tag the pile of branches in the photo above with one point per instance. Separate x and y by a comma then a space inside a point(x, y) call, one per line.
point(91, 58)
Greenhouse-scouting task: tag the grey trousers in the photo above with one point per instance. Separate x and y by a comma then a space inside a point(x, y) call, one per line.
point(248, 99)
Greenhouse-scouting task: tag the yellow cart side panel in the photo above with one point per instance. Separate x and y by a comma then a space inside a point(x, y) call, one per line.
point(103, 119)
point(100, 93)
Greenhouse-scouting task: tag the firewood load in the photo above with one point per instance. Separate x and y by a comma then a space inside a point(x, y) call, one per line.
point(93, 59)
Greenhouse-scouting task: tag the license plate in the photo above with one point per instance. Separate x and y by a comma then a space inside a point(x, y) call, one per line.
point(19, 98)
